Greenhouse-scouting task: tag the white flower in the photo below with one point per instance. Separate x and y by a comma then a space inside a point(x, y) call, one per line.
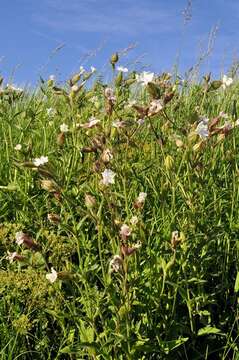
point(92, 122)
point(93, 69)
point(11, 256)
point(155, 106)
point(123, 69)
point(223, 115)
point(82, 70)
point(109, 94)
point(125, 231)
point(75, 88)
point(130, 104)
point(202, 128)
point(51, 112)
point(94, 99)
point(226, 81)
point(116, 263)
point(40, 161)
point(145, 77)
point(140, 121)
point(134, 220)
point(18, 147)
point(142, 196)
point(52, 276)
point(20, 237)
point(52, 77)
point(118, 124)
point(108, 177)
point(14, 88)
point(64, 128)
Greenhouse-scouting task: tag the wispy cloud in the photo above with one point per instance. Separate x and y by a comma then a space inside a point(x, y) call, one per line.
point(105, 17)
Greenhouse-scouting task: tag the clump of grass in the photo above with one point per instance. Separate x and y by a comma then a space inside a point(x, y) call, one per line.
point(119, 211)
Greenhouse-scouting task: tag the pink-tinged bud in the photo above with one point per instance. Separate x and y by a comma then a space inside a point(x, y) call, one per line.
point(175, 239)
point(57, 195)
point(129, 250)
point(25, 239)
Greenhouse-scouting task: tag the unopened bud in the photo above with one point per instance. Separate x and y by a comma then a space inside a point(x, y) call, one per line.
point(61, 139)
point(90, 201)
point(114, 59)
point(48, 185)
point(168, 162)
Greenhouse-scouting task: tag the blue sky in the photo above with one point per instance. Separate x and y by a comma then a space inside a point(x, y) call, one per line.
point(90, 30)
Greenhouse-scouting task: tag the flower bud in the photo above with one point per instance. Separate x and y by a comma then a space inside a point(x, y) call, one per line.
point(90, 201)
point(48, 185)
point(168, 162)
point(61, 139)
point(114, 59)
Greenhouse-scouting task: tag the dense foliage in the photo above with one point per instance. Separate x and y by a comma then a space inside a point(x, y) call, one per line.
point(119, 218)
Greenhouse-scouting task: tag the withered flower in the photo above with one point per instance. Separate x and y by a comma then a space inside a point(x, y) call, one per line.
point(25, 239)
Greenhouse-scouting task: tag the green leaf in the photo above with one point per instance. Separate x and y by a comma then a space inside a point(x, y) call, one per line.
point(208, 330)
point(173, 344)
point(236, 287)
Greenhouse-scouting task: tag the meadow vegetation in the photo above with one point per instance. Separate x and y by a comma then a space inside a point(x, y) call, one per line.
point(119, 218)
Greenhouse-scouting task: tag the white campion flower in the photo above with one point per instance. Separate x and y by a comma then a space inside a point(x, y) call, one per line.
point(11, 256)
point(82, 70)
point(115, 263)
point(14, 256)
point(202, 128)
point(140, 122)
point(144, 78)
point(125, 231)
point(142, 196)
point(20, 237)
point(134, 220)
point(108, 177)
point(92, 122)
point(226, 81)
point(109, 94)
point(130, 104)
point(122, 69)
point(50, 111)
point(40, 161)
point(118, 124)
point(14, 88)
point(223, 115)
point(155, 106)
point(52, 77)
point(52, 276)
point(18, 147)
point(93, 69)
point(64, 128)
